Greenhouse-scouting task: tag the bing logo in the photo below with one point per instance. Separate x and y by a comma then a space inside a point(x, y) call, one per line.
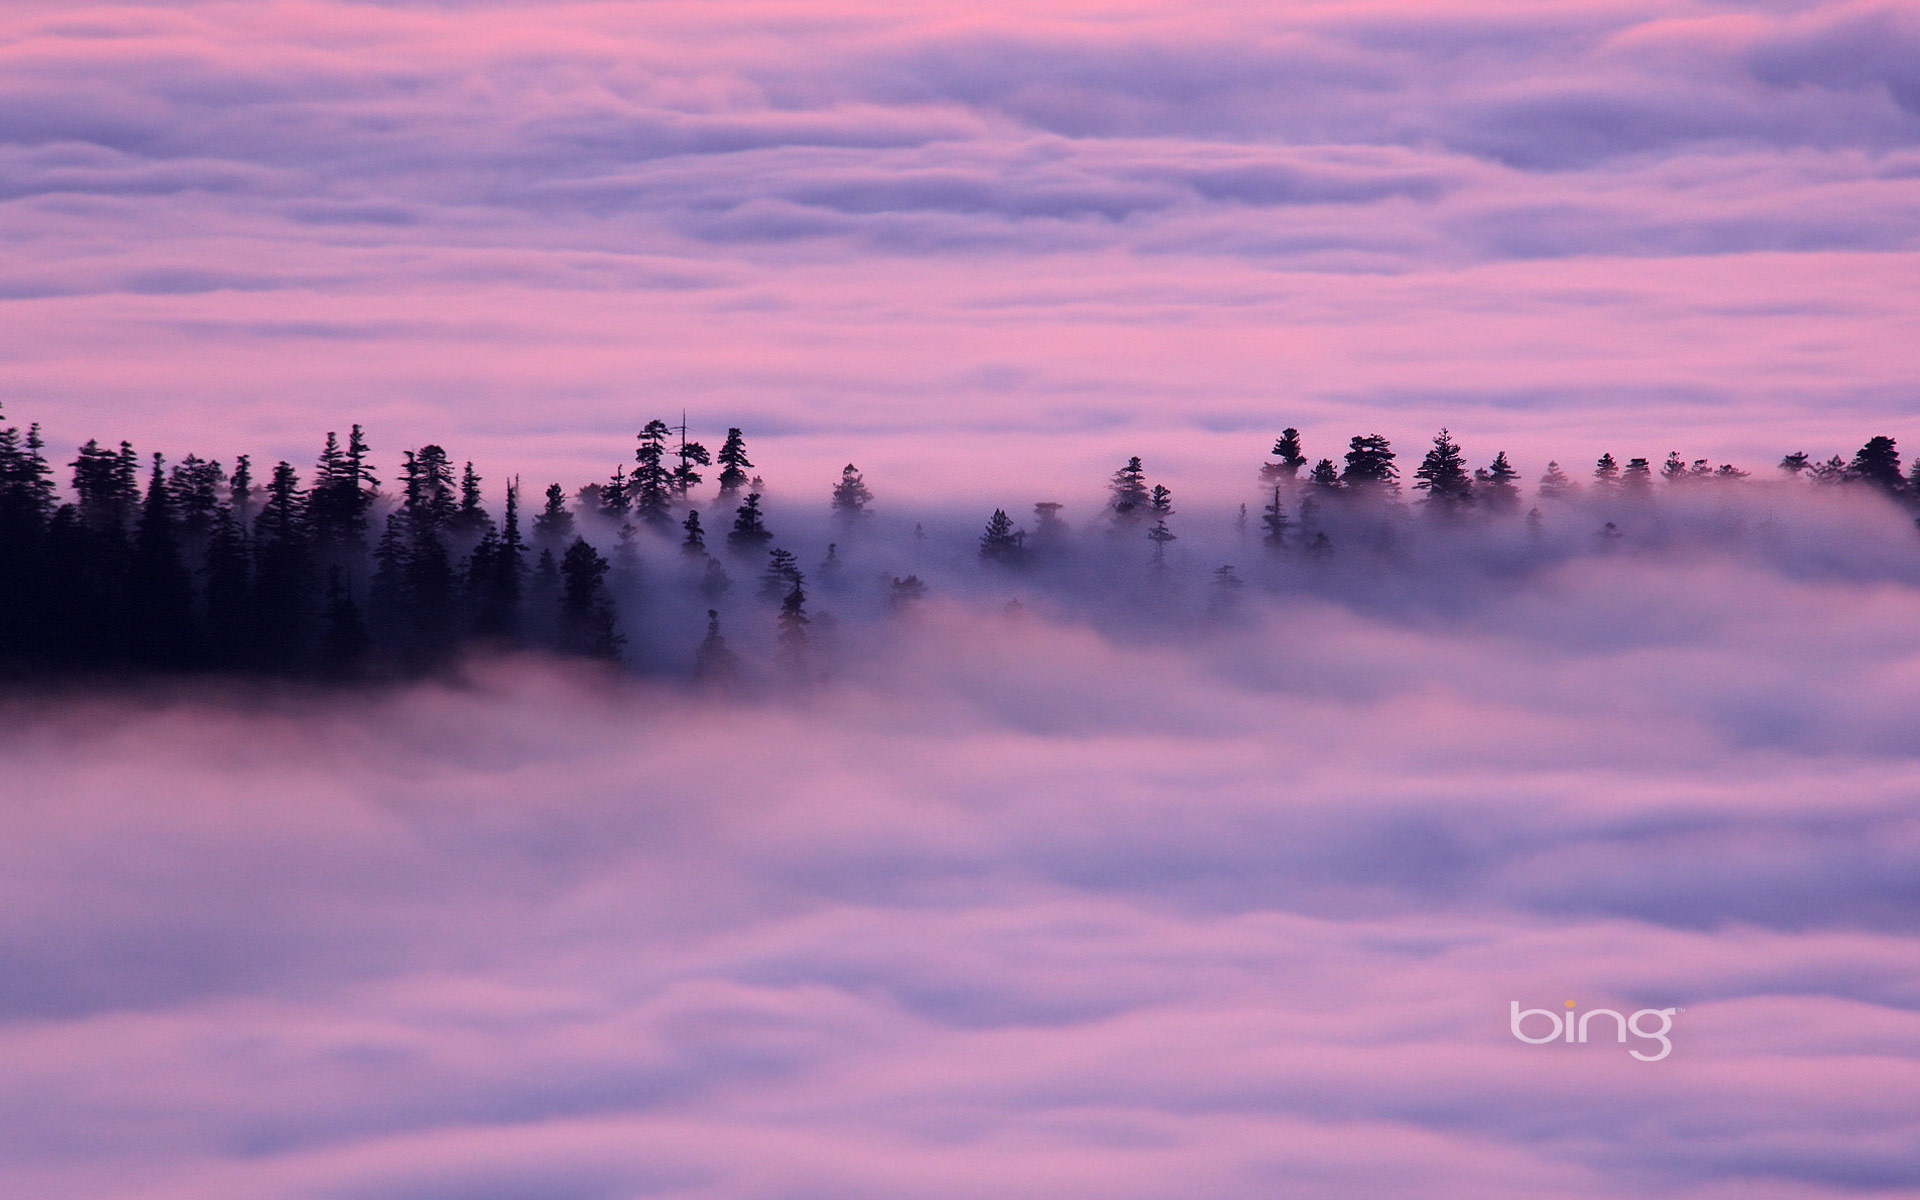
point(1574, 1027)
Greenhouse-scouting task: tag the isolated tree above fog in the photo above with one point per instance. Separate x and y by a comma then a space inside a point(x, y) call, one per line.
point(1286, 450)
point(850, 495)
point(733, 463)
point(1127, 493)
point(1001, 542)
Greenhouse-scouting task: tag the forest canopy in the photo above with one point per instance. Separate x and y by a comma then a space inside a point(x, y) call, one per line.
point(145, 564)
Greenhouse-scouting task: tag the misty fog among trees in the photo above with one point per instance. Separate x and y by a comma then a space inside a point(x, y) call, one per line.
point(143, 564)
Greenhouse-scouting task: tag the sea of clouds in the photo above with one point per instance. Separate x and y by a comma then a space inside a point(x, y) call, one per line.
point(1135, 898)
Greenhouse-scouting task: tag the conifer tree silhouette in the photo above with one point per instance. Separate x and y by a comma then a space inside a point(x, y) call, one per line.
point(850, 496)
point(26, 507)
point(470, 521)
point(1606, 475)
point(240, 492)
point(1370, 470)
point(780, 575)
point(1494, 487)
point(342, 497)
point(1287, 451)
point(1554, 484)
point(553, 527)
point(688, 457)
point(1275, 522)
point(282, 594)
point(614, 498)
point(194, 488)
point(1160, 535)
point(1127, 491)
point(1878, 464)
point(496, 572)
point(793, 624)
point(734, 464)
point(652, 482)
point(749, 532)
point(1442, 475)
point(1001, 542)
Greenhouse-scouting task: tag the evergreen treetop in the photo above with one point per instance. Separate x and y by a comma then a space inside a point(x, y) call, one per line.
point(850, 495)
point(1442, 475)
point(1287, 451)
point(553, 525)
point(1554, 483)
point(1001, 542)
point(1878, 463)
point(652, 483)
point(1606, 473)
point(749, 531)
point(1370, 469)
point(1494, 485)
point(1127, 490)
point(733, 463)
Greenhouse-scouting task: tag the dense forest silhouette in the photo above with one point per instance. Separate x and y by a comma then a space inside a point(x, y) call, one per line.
point(146, 565)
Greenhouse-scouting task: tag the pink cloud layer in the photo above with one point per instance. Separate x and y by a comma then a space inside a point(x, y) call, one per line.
point(1013, 908)
point(961, 244)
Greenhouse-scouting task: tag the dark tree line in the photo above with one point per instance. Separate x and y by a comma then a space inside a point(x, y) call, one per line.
point(1368, 478)
point(148, 565)
point(189, 566)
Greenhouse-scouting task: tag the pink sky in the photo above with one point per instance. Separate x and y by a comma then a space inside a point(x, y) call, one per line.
point(965, 245)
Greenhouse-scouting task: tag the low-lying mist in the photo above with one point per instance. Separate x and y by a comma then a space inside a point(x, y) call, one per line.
point(1221, 574)
point(1138, 888)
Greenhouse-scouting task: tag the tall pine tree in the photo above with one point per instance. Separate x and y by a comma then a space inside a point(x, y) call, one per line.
point(1442, 475)
point(733, 464)
point(1127, 494)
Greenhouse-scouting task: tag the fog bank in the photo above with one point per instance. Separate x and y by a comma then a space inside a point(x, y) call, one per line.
point(1033, 903)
